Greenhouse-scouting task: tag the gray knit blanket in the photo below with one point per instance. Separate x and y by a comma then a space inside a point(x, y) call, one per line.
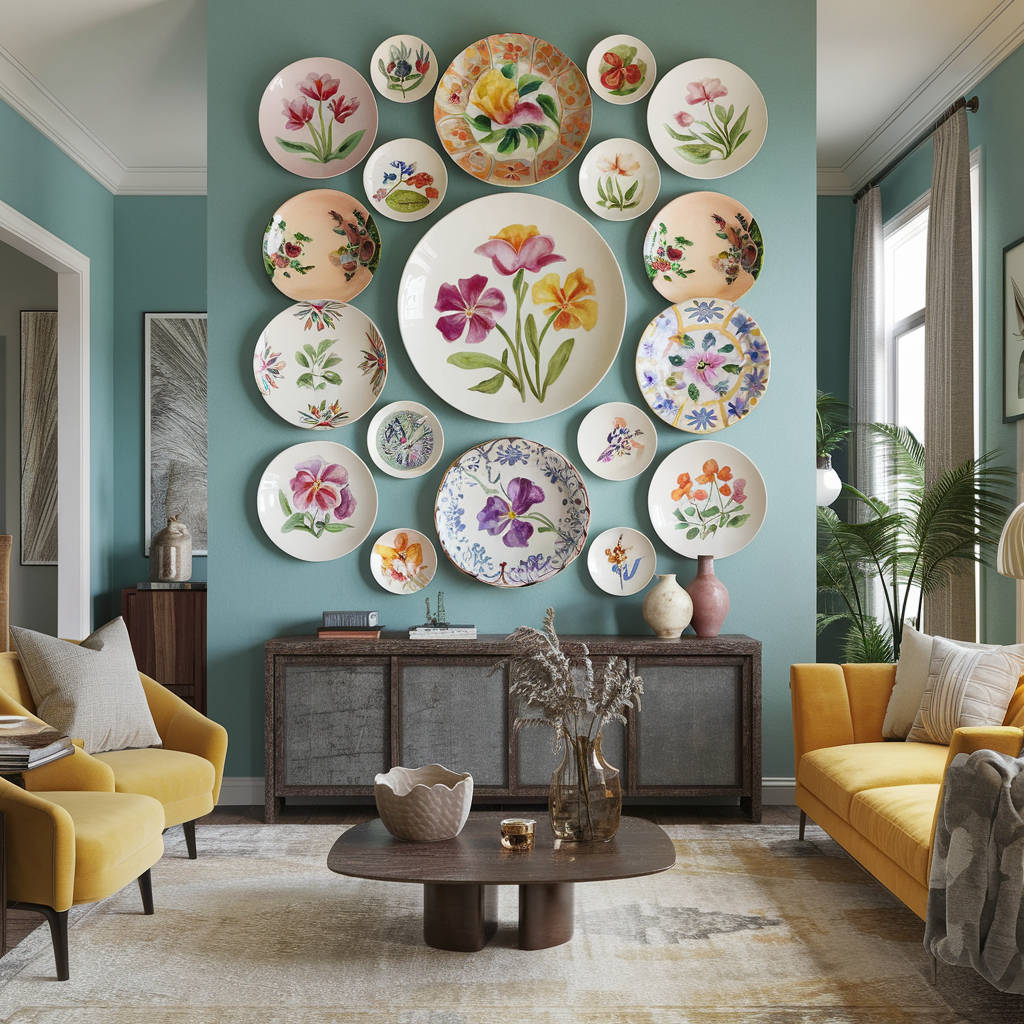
point(976, 889)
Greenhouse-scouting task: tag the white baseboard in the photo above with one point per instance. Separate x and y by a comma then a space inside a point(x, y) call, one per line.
point(778, 791)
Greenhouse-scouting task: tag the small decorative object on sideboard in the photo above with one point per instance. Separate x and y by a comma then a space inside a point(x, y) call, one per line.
point(170, 555)
point(437, 627)
point(668, 608)
point(585, 801)
point(423, 805)
point(710, 598)
point(517, 833)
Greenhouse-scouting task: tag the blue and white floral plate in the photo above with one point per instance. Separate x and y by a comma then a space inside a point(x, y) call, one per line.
point(512, 512)
point(621, 561)
point(702, 365)
point(405, 439)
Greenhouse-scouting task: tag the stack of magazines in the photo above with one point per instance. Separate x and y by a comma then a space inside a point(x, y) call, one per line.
point(431, 631)
point(28, 744)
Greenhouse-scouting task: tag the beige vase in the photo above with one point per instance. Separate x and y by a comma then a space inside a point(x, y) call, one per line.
point(668, 608)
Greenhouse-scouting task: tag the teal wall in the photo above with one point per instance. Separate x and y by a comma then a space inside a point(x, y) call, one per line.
point(257, 591)
point(836, 218)
point(159, 267)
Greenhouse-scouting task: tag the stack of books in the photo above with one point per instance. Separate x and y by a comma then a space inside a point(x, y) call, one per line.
point(448, 631)
point(31, 744)
point(350, 626)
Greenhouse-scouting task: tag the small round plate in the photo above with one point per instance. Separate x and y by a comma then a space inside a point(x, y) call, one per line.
point(707, 498)
point(703, 243)
point(403, 561)
point(317, 500)
point(621, 561)
point(621, 69)
point(619, 179)
point(12, 721)
point(321, 244)
point(405, 180)
point(703, 365)
point(403, 69)
point(405, 439)
point(707, 118)
point(318, 117)
point(320, 380)
point(617, 441)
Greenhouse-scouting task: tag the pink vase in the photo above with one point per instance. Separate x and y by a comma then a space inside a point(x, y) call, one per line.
point(709, 596)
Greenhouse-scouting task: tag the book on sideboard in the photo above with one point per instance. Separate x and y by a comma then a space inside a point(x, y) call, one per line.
point(352, 620)
point(452, 632)
point(349, 634)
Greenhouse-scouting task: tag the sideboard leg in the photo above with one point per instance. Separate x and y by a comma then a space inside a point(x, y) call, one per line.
point(546, 914)
point(459, 917)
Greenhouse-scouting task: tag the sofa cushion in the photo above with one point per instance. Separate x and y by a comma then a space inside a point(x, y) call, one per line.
point(836, 774)
point(168, 775)
point(898, 820)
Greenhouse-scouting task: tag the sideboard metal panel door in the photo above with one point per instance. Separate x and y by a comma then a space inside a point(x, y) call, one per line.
point(336, 721)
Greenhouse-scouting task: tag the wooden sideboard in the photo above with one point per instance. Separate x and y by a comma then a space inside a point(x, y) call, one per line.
point(339, 711)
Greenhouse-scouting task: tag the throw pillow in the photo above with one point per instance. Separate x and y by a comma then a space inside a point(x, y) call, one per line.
point(90, 690)
point(966, 688)
point(911, 680)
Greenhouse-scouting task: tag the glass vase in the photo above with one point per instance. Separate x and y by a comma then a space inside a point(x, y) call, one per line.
point(585, 803)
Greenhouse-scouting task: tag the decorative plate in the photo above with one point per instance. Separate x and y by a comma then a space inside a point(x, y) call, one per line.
point(511, 512)
point(702, 366)
point(617, 441)
point(707, 498)
point(619, 179)
point(317, 500)
point(707, 118)
point(512, 308)
point(621, 561)
point(318, 117)
point(703, 243)
point(621, 69)
point(405, 439)
point(324, 379)
point(403, 561)
point(321, 244)
point(512, 110)
point(403, 69)
point(405, 179)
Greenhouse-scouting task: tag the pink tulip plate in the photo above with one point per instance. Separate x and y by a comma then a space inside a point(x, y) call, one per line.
point(512, 110)
point(621, 69)
point(403, 561)
point(318, 117)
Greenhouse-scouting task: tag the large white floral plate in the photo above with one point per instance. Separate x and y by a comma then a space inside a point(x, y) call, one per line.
point(617, 441)
point(707, 118)
point(405, 179)
point(621, 561)
point(320, 364)
point(403, 561)
point(403, 69)
point(703, 243)
point(318, 117)
point(619, 179)
point(621, 69)
point(512, 308)
point(405, 439)
point(317, 500)
point(511, 512)
point(707, 498)
point(512, 110)
point(321, 244)
point(702, 365)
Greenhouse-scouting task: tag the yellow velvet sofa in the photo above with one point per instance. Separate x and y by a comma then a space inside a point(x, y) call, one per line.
point(878, 799)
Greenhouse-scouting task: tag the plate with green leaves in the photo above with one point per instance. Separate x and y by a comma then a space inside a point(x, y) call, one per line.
point(619, 179)
point(405, 180)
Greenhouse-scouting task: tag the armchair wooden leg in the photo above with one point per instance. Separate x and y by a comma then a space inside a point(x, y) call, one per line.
point(58, 922)
point(803, 824)
point(146, 889)
point(190, 838)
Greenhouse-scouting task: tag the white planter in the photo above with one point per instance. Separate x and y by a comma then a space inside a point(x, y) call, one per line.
point(423, 805)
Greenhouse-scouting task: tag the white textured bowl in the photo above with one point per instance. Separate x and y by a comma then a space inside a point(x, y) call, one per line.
point(423, 805)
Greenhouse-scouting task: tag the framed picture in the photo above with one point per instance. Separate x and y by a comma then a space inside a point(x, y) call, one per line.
point(175, 392)
point(1013, 331)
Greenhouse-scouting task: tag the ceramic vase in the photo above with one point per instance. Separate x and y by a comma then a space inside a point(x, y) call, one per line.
point(585, 801)
point(170, 554)
point(710, 598)
point(668, 608)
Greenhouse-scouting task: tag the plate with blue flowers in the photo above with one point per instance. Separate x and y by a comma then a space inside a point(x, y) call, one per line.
point(405, 179)
point(702, 365)
point(512, 512)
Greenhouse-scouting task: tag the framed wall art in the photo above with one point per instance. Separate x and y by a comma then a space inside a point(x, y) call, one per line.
point(1013, 331)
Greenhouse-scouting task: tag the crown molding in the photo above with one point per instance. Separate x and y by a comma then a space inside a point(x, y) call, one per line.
point(976, 57)
point(163, 181)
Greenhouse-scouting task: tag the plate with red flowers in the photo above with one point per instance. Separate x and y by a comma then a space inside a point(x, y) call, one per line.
point(707, 498)
point(403, 561)
point(317, 500)
point(621, 69)
point(512, 512)
point(403, 69)
point(405, 179)
point(512, 110)
point(318, 117)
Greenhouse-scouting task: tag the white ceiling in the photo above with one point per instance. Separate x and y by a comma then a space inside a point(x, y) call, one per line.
point(120, 85)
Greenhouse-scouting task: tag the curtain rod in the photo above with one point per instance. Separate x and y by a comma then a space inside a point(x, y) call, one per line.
point(971, 104)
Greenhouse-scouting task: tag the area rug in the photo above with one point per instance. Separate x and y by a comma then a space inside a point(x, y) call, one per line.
point(751, 926)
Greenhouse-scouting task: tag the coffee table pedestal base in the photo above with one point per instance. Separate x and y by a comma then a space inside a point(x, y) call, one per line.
point(546, 916)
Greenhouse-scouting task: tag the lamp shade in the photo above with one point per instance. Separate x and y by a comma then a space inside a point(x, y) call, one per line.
point(1010, 554)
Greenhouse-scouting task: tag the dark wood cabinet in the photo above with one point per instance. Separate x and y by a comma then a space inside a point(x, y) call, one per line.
point(168, 634)
point(339, 711)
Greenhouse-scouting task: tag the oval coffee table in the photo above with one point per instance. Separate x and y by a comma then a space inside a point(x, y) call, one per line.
point(459, 876)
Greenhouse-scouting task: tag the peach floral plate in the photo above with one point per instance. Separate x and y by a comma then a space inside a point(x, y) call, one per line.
point(403, 561)
point(512, 110)
point(321, 244)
